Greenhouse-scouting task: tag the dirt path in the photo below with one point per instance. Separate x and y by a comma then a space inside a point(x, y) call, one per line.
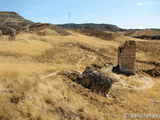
point(49, 75)
point(80, 61)
point(146, 83)
point(77, 66)
point(136, 82)
point(93, 58)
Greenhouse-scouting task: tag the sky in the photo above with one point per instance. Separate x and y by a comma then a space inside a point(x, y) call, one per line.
point(123, 13)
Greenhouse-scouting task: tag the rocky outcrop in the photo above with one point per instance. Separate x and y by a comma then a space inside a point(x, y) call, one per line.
point(91, 78)
point(144, 34)
point(13, 20)
point(96, 80)
point(8, 31)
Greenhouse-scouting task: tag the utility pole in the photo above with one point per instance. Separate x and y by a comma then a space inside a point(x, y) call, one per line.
point(69, 17)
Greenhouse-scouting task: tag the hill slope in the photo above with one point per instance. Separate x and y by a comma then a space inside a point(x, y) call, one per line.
point(40, 29)
point(32, 84)
point(34, 81)
point(144, 34)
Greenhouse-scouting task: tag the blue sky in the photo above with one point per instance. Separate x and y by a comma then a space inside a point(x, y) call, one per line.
point(123, 13)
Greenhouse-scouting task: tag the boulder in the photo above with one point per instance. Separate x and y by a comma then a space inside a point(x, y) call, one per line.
point(8, 31)
point(96, 80)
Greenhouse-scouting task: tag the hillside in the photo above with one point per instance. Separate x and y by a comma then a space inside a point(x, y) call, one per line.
point(43, 29)
point(39, 67)
point(144, 34)
point(12, 19)
point(33, 84)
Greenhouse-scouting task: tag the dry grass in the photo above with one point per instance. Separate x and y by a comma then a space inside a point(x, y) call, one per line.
point(26, 92)
point(146, 32)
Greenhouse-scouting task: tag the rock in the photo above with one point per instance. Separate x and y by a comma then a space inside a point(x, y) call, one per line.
point(91, 78)
point(96, 80)
point(8, 31)
point(6, 37)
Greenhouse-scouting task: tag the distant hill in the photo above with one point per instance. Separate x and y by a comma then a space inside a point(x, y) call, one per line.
point(13, 19)
point(92, 26)
point(155, 29)
point(144, 34)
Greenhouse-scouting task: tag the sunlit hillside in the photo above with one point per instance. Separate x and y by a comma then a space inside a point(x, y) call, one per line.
point(32, 88)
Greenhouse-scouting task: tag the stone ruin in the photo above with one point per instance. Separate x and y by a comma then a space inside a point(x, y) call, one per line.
point(93, 79)
point(8, 31)
point(127, 57)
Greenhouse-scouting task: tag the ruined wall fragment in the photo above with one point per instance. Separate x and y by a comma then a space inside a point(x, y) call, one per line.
point(127, 56)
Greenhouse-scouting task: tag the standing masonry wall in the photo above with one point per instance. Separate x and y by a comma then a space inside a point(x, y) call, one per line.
point(126, 57)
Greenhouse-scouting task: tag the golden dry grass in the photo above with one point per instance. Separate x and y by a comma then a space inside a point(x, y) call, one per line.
point(26, 92)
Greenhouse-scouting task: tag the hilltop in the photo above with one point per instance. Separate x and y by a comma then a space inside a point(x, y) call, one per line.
point(13, 19)
point(92, 26)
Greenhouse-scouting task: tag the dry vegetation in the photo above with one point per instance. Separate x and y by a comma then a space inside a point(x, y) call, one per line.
point(144, 34)
point(98, 33)
point(31, 89)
